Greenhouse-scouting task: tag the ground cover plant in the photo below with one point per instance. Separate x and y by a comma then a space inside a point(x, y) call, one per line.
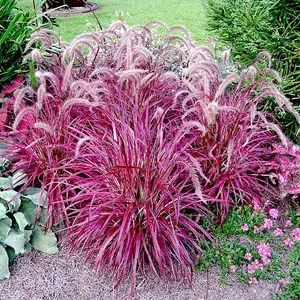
point(257, 244)
point(249, 27)
point(139, 137)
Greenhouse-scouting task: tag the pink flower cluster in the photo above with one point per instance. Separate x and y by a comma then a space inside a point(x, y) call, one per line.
point(245, 227)
point(268, 223)
point(288, 223)
point(256, 229)
point(233, 268)
point(248, 256)
point(296, 234)
point(278, 231)
point(265, 252)
point(274, 213)
point(254, 266)
point(252, 280)
point(288, 242)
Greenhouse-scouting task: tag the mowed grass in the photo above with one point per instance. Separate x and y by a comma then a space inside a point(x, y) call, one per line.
point(188, 13)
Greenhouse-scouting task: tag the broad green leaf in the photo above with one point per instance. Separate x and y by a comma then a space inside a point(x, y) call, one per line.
point(21, 220)
point(27, 247)
point(34, 194)
point(29, 209)
point(5, 226)
point(12, 198)
point(19, 178)
point(11, 253)
point(2, 211)
point(16, 240)
point(45, 242)
point(27, 235)
point(4, 271)
point(5, 182)
point(43, 217)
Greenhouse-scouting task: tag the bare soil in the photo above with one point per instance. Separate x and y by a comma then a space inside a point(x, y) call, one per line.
point(37, 276)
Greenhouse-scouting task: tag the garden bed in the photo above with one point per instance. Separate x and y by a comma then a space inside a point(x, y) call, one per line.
point(38, 276)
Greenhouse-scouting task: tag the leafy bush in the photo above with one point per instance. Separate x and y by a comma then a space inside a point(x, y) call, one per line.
point(22, 218)
point(16, 26)
point(249, 27)
point(138, 135)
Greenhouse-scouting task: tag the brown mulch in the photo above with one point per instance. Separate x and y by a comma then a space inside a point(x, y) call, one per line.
point(37, 276)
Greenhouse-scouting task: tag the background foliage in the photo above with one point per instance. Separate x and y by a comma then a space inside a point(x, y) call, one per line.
point(251, 26)
point(16, 26)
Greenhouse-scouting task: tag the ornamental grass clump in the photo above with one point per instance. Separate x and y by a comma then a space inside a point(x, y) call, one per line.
point(138, 135)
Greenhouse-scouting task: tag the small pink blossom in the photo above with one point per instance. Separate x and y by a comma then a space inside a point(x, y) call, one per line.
point(288, 223)
point(256, 229)
point(278, 231)
point(264, 250)
point(251, 269)
point(252, 280)
point(266, 261)
point(254, 266)
point(268, 223)
point(256, 205)
point(245, 227)
point(296, 234)
point(284, 281)
point(248, 256)
point(257, 208)
point(257, 265)
point(233, 268)
point(288, 242)
point(274, 213)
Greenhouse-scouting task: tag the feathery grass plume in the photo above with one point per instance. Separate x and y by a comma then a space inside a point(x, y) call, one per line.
point(136, 135)
point(239, 139)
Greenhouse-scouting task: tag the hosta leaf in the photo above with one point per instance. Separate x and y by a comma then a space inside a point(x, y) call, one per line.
point(45, 242)
point(21, 220)
point(12, 198)
point(5, 226)
point(11, 253)
point(4, 271)
point(2, 211)
point(27, 235)
point(43, 217)
point(34, 194)
point(19, 178)
point(29, 209)
point(5, 182)
point(27, 247)
point(16, 240)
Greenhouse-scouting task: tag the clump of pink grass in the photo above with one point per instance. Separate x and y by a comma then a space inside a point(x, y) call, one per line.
point(137, 138)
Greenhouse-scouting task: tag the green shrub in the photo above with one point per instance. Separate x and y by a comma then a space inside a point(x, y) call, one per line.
point(22, 218)
point(16, 26)
point(251, 26)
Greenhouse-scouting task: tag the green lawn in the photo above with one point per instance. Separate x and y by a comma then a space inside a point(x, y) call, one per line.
point(189, 13)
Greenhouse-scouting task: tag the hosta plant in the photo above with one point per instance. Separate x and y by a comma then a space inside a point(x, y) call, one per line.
point(22, 220)
point(137, 135)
